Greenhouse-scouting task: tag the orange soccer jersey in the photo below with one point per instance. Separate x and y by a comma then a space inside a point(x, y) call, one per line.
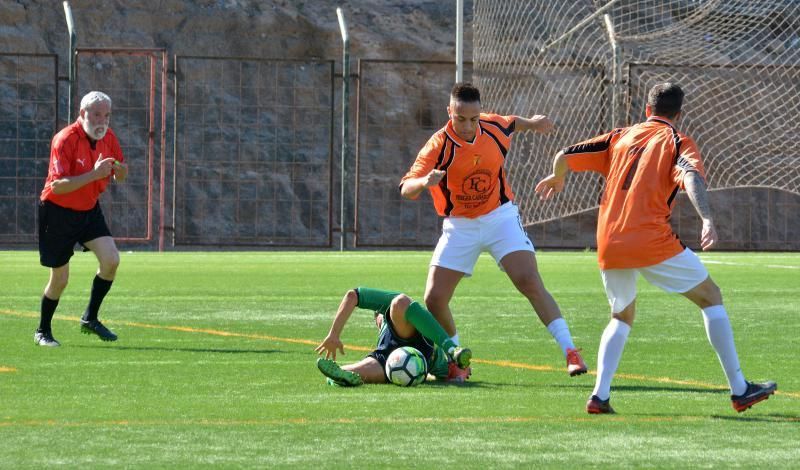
point(475, 181)
point(644, 167)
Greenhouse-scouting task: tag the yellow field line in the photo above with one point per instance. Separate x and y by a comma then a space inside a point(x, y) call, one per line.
point(521, 365)
point(7, 369)
point(509, 364)
point(187, 329)
point(392, 421)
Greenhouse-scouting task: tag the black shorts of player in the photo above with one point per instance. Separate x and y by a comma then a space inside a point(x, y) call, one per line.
point(388, 341)
point(61, 228)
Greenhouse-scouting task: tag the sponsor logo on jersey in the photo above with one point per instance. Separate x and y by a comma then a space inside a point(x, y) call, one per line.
point(477, 188)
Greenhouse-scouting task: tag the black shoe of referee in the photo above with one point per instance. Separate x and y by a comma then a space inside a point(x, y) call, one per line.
point(94, 327)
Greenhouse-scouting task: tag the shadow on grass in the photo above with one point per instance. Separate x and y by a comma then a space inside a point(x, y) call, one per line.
point(647, 388)
point(662, 388)
point(769, 418)
point(467, 384)
point(189, 350)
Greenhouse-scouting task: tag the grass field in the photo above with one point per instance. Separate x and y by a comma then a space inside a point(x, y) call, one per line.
point(215, 367)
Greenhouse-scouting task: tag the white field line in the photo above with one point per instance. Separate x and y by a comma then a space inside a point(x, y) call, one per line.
point(731, 263)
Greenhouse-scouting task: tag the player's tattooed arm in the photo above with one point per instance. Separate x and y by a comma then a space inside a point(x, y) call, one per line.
point(696, 189)
point(553, 183)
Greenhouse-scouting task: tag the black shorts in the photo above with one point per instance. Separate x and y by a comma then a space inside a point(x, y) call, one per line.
point(61, 228)
point(388, 341)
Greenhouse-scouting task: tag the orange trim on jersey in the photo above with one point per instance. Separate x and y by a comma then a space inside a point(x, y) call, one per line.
point(644, 167)
point(475, 182)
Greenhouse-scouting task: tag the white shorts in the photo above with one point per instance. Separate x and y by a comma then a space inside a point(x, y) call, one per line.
point(463, 239)
point(680, 274)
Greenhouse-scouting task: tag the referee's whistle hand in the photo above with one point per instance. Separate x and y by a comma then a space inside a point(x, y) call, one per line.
point(103, 166)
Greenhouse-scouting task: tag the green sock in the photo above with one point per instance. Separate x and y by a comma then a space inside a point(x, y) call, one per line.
point(428, 327)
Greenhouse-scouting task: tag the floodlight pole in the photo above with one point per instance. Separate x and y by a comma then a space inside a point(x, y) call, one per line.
point(345, 119)
point(73, 39)
point(459, 40)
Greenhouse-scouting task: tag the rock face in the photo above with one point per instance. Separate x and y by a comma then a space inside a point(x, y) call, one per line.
point(284, 182)
point(395, 29)
point(256, 143)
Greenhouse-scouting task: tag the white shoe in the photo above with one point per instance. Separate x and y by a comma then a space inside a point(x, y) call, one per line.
point(45, 339)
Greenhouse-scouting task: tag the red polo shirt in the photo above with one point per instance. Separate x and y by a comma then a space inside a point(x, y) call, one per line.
point(73, 154)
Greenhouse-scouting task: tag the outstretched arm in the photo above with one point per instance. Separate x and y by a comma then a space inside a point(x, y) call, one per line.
point(695, 187)
point(332, 343)
point(554, 183)
point(538, 123)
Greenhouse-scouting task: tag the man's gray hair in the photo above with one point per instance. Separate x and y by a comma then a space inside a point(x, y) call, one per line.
point(94, 97)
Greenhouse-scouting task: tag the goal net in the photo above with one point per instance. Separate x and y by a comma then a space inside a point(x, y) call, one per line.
point(589, 64)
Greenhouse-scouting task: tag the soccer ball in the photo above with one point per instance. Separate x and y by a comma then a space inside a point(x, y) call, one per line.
point(406, 367)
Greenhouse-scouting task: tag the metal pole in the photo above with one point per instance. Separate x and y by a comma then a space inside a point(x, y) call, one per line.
point(345, 118)
point(580, 25)
point(175, 148)
point(73, 39)
point(163, 162)
point(459, 40)
point(616, 73)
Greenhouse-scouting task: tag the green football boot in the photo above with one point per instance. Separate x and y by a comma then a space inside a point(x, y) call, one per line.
point(341, 377)
point(462, 357)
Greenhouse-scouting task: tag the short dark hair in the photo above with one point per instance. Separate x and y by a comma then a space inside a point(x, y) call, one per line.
point(665, 99)
point(465, 92)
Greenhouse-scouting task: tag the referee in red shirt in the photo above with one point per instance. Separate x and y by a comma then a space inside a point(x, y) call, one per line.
point(84, 157)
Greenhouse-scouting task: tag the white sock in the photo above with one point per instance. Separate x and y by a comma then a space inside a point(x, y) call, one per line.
point(720, 335)
point(455, 339)
point(611, 345)
point(560, 331)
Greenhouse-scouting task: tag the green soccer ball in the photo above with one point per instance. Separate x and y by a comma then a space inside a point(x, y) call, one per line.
point(406, 367)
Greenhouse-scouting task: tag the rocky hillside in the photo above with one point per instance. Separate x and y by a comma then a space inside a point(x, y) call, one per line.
point(386, 29)
point(277, 29)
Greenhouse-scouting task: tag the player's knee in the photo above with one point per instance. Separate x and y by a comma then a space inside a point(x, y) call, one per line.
point(401, 302)
point(398, 307)
point(109, 264)
point(58, 282)
point(712, 293)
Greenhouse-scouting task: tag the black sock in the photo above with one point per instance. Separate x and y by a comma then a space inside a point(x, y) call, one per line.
point(100, 288)
point(48, 309)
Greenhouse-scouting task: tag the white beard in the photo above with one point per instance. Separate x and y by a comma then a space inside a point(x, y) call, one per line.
point(95, 133)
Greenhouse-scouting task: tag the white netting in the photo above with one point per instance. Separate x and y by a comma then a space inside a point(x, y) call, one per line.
point(737, 60)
